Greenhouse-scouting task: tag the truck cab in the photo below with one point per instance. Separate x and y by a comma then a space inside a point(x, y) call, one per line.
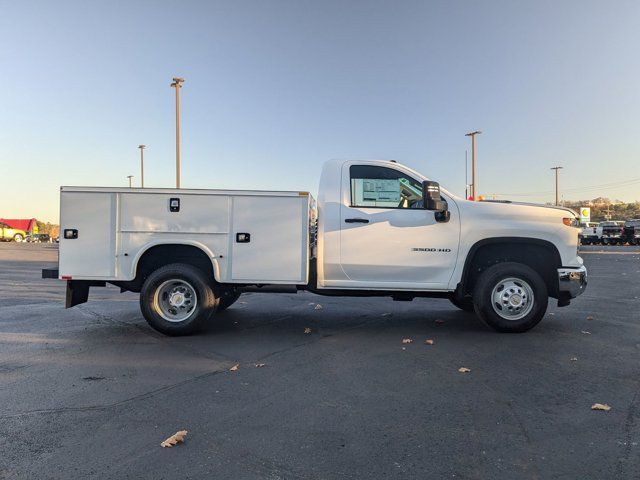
point(374, 232)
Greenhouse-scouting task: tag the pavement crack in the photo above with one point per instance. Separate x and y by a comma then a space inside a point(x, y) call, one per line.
point(135, 398)
point(623, 464)
point(313, 340)
point(168, 341)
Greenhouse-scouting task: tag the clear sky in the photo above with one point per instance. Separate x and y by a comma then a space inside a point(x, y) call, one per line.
point(274, 88)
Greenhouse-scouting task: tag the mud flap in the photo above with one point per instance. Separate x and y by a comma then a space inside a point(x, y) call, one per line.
point(78, 291)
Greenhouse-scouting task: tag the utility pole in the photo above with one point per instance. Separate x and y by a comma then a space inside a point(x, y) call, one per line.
point(466, 176)
point(556, 169)
point(129, 177)
point(141, 147)
point(177, 84)
point(474, 184)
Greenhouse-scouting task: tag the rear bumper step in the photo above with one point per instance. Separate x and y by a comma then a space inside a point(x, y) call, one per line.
point(50, 273)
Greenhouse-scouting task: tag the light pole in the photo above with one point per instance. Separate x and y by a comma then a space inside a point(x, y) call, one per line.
point(466, 176)
point(129, 177)
point(177, 84)
point(556, 169)
point(474, 184)
point(142, 147)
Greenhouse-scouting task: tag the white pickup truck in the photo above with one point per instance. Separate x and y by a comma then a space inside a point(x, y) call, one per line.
point(379, 229)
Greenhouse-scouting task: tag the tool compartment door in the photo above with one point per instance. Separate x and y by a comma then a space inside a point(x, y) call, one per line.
point(92, 253)
point(269, 239)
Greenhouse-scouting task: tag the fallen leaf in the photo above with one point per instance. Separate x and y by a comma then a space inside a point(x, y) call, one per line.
point(589, 317)
point(600, 406)
point(574, 359)
point(307, 330)
point(318, 307)
point(174, 439)
point(464, 370)
point(404, 348)
point(92, 378)
point(260, 365)
point(406, 340)
point(428, 342)
point(235, 367)
point(585, 332)
point(439, 322)
point(312, 303)
point(385, 315)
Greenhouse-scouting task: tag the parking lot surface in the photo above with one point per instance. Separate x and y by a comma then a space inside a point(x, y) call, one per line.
point(90, 392)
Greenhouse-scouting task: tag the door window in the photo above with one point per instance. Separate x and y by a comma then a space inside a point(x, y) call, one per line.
point(382, 187)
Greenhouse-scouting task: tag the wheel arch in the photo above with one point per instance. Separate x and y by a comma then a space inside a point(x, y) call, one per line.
point(157, 254)
point(541, 255)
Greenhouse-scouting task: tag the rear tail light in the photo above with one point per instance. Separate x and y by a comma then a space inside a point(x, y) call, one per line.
point(570, 222)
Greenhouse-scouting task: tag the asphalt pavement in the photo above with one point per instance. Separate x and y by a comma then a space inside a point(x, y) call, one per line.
point(90, 392)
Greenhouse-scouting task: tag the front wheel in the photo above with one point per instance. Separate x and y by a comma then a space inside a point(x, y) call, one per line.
point(177, 299)
point(510, 297)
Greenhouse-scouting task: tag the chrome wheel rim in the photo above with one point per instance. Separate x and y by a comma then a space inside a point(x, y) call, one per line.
point(512, 298)
point(175, 300)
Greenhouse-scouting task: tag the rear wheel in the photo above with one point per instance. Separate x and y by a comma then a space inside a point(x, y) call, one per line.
point(18, 237)
point(510, 297)
point(177, 299)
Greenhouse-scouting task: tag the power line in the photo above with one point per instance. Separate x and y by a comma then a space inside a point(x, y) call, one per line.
point(624, 183)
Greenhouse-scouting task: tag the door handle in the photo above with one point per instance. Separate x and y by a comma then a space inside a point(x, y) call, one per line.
point(356, 220)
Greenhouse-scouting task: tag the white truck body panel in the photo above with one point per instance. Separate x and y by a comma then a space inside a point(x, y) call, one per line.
point(279, 240)
point(91, 255)
point(380, 255)
point(393, 249)
point(116, 226)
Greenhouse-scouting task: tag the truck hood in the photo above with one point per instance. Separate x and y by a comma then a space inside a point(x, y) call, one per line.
point(514, 213)
point(530, 204)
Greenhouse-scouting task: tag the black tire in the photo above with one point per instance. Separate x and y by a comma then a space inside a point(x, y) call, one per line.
point(227, 298)
point(154, 295)
point(18, 238)
point(496, 277)
point(466, 303)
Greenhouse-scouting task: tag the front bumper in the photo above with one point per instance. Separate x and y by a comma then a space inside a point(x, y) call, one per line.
point(571, 282)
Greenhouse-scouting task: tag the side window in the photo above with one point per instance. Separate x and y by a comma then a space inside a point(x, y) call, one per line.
point(382, 187)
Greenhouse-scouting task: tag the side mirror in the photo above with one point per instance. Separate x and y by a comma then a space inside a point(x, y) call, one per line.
point(431, 197)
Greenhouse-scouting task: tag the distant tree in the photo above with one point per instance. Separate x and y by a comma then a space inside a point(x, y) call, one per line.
point(48, 228)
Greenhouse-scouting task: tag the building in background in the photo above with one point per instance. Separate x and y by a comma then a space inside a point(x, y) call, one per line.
point(29, 225)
